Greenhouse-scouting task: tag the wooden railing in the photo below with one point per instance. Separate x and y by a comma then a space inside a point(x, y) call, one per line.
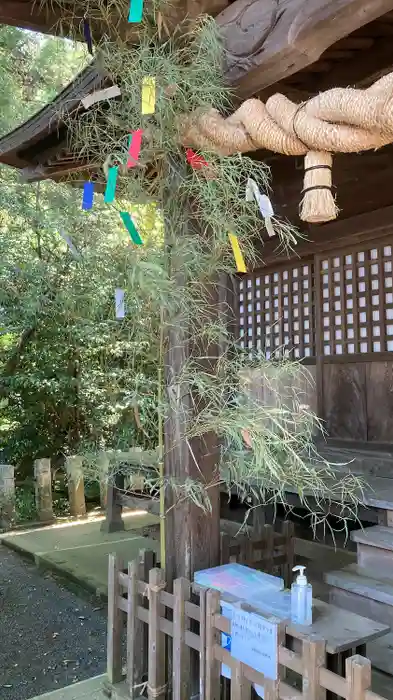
point(173, 647)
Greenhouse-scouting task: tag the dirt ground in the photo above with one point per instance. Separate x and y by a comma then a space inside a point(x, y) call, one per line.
point(50, 637)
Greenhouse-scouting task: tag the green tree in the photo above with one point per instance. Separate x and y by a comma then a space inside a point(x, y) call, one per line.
point(71, 374)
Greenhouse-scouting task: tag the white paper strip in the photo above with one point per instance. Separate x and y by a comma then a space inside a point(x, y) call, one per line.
point(99, 95)
point(264, 204)
point(119, 303)
point(70, 244)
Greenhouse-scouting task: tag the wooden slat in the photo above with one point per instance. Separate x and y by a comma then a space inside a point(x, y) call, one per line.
point(167, 599)
point(115, 622)
point(358, 677)
point(193, 611)
point(193, 640)
point(202, 642)
point(330, 681)
point(156, 663)
point(181, 652)
point(135, 661)
point(240, 685)
point(313, 659)
point(212, 688)
point(290, 659)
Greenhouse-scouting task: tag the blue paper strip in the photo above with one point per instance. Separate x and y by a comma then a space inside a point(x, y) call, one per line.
point(87, 33)
point(130, 226)
point(110, 189)
point(136, 11)
point(88, 195)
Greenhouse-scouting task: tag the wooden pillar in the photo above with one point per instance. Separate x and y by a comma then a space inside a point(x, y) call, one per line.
point(76, 486)
point(7, 494)
point(43, 489)
point(192, 535)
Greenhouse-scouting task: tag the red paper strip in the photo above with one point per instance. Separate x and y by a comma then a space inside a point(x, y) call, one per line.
point(196, 162)
point(135, 148)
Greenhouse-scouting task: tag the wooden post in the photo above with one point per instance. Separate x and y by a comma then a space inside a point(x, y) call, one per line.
point(181, 652)
point(157, 687)
point(7, 494)
point(358, 677)
point(76, 486)
point(115, 622)
point(134, 633)
point(43, 489)
point(103, 466)
point(113, 521)
point(313, 659)
point(202, 642)
point(212, 668)
point(240, 686)
point(288, 531)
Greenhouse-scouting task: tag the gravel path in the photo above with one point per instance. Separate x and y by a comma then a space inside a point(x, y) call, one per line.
point(49, 637)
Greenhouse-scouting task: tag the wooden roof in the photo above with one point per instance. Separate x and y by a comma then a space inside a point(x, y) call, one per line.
point(297, 47)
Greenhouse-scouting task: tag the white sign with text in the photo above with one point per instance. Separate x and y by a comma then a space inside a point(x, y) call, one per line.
point(254, 642)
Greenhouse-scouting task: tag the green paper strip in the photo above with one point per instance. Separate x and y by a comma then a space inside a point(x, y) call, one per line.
point(130, 226)
point(110, 190)
point(136, 11)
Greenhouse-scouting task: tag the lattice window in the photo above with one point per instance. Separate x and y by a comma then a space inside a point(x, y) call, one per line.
point(357, 301)
point(276, 312)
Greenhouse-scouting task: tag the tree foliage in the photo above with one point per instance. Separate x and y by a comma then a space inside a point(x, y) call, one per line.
point(72, 375)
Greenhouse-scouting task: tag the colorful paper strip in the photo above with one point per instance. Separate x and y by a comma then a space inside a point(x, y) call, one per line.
point(75, 252)
point(88, 195)
point(87, 33)
point(136, 11)
point(110, 189)
point(148, 94)
point(135, 147)
point(119, 303)
point(197, 162)
point(264, 204)
point(100, 95)
point(237, 253)
point(131, 228)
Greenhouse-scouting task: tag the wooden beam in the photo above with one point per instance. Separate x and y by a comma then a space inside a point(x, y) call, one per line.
point(336, 234)
point(362, 70)
point(268, 41)
point(45, 18)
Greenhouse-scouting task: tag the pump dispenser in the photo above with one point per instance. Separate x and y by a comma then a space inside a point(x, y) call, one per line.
point(301, 598)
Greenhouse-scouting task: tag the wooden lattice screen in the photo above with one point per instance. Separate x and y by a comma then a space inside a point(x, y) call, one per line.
point(348, 293)
point(276, 311)
point(357, 301)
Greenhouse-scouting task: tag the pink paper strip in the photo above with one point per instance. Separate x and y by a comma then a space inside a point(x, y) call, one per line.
point(135, 147)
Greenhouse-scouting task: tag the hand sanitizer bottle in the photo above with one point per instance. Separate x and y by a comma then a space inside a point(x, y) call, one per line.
point(301, 599)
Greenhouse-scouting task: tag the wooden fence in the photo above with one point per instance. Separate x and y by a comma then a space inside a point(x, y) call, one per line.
point(269, 551)
point(173, 647)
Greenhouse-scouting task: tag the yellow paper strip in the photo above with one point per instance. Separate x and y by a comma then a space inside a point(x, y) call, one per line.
point(148, 94)
point(238, 255)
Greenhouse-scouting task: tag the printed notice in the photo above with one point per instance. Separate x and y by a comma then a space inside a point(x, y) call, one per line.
point(254, 642)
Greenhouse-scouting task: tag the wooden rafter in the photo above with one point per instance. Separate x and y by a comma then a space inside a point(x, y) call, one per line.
point(268, 41)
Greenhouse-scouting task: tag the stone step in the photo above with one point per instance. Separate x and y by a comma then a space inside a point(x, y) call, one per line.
point(376, 536)
point(375, 548)
point(357, 579)
point(354, 589)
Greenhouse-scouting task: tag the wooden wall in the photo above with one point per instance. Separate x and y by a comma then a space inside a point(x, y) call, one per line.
point(330, 302)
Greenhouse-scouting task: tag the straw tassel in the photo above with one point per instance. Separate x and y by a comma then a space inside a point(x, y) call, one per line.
point(318, 203)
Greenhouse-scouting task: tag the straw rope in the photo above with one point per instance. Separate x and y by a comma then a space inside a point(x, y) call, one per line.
point(340, 120)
